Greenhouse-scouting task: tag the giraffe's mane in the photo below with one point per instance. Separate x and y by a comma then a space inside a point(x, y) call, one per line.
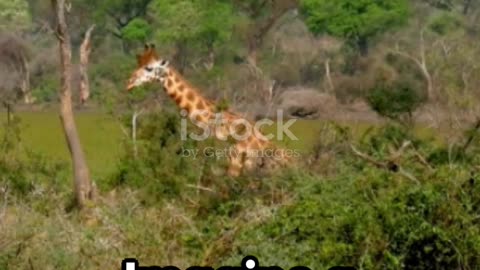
point(174, 73)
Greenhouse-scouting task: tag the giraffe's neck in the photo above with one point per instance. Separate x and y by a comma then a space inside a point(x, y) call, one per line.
point(201, 109)
point(187, 97)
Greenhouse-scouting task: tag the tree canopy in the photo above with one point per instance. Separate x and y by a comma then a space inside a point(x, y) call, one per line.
point(14, 13)
point(199, 20)
point(355, 20)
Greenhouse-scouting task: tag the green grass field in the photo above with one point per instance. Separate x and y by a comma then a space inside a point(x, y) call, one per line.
point(101, 136)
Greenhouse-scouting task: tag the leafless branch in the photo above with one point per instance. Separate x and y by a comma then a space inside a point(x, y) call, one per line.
point(420, 61)
point(198, 187)
point(85, 50)
point(135, 116)
point(390, 165)
point(368, 158)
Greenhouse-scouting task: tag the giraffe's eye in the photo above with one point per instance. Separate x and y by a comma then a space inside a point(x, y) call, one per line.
point(149, 69)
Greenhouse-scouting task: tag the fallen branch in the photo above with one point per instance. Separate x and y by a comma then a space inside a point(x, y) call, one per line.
point(199, 187)
point(423, 160)
point(368, 158)
point(390, 165)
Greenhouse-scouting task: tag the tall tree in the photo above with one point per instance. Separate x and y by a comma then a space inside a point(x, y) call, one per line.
point(84, 190)
point(355, 20)
point(116, 15)
point(263, 15)
point(188, 24)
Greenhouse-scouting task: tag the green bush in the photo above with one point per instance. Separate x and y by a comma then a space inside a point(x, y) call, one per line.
point(158, 168)
point(445, 23)
point(22, 170)
point(397, 101)
point(371, 219)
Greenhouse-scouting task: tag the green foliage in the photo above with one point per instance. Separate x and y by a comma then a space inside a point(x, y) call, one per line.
point(369, 218)
point(359, 215)
point(355, 20)
point(14, 14)
point(120, 11)
point(158, 165)
point(394, 101)
point(46, 89)
point(208, 23)
point(22, 170)
point(137, 30)
point(445, 23)
point(441, 4)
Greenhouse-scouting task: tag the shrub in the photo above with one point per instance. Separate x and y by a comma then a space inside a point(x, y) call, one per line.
point(370, 219)
point(160, 167)
point(22, 170)
point(397, 101)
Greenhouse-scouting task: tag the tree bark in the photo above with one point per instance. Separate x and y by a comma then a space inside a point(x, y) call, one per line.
point(83, 188)
point(85, 50)
point(135, 116)
point(328, 75)
point(25, 87)
point(466, 6)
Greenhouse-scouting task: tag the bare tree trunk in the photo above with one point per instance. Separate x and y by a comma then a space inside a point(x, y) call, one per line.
point(83, 188)
point(85, 50)
point(25, 87)
point(328, 74)
point(421, 62)
point(134, 131)
point(8, 106)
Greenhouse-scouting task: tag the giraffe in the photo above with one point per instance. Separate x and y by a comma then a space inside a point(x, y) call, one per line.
point(244, 153)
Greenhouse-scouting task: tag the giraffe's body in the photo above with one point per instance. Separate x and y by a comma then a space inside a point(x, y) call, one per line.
point(244, 153)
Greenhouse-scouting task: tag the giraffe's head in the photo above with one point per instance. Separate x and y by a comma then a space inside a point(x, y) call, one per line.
point(150, 68)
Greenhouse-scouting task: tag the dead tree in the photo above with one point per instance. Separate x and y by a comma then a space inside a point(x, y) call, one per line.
point(421, 62)
point(328, 76)
point(83, 188)
point(262, 26)
point(85, 50)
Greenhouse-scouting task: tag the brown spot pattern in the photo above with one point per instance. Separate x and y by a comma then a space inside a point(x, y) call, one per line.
point(178, 99)
point(188, 107)
point(190, 96)
point(201, 105)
